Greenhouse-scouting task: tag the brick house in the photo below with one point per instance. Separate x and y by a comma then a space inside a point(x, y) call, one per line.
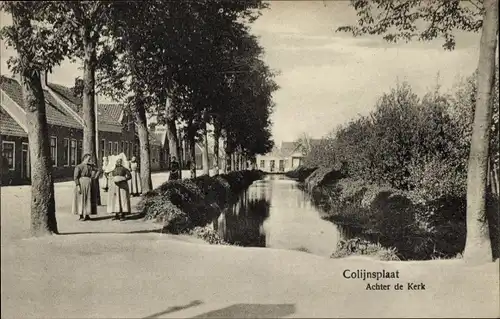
point(65, 135)
point(116, 132)
point(116, 129)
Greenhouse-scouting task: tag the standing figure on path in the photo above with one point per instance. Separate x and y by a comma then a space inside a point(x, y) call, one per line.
point(174, 169)
point(192, 168)
point(121, 201)
point(84, 200)
point(108, 169)
point(135, 182)
point(104, 179)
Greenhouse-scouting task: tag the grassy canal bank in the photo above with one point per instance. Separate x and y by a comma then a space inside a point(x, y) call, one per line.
point(388, 223)
point(187, 206)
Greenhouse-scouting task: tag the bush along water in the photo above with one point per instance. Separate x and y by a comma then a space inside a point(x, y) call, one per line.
point(390, 224)
point(398, 176)
point(186, 206)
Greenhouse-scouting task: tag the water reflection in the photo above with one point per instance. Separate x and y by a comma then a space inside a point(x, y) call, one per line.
point(274, 212)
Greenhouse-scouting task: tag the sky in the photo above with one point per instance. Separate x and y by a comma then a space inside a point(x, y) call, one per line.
point(328, 78)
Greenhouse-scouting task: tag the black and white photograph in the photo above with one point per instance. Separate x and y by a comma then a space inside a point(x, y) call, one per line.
point(249, 159)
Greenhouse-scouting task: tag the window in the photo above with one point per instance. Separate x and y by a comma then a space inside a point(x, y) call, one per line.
point(80, 151)
point(8, 154)
point(282, 165)
point(110, 148)
point(72, 153)
point(103, 148)
point(53, 150)
point(66, 152)
point(123, 147)
point(126, 151)
point(262, 163)
point(116, 148)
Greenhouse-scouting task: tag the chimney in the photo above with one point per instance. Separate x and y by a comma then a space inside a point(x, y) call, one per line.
point(43, 78)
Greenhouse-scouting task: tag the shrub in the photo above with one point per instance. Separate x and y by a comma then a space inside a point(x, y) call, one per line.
point(301, 173)
point(361, 247)
point(184, 204)
point(377, 213)
point(406, 164)
point(322, 176)
point(207, 234)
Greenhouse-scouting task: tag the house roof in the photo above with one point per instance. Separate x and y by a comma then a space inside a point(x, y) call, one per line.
point(56, 115)
point(8, 126)
point(288, 147)
point(108, 115)
point(110, 112)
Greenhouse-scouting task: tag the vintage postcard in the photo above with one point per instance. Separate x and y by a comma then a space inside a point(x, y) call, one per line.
point(249, 159)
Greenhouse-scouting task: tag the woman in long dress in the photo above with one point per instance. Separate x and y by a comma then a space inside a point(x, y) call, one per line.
point(105, 182)
point(108, 169)
point(174, 169)
point(84, 201)
point(121, 201)
point(135, 182)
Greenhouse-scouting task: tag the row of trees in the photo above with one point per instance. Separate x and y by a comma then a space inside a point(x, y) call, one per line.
point(192, 64)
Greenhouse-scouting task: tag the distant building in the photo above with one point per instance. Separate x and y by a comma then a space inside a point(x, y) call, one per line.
point(184, 157)
point(287, 157)
point(284, 158)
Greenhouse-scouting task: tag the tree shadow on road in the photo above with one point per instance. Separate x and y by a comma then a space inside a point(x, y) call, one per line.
point(175, 309)
point(145, 231)
point(134, 216)
point(251, 311)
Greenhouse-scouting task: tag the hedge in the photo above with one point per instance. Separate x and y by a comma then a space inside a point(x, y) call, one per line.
point(182, 205)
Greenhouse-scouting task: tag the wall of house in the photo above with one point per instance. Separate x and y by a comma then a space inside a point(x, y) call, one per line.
point(267, 159)
point(63, 167)
point(154, 157)
point(126, 147)
point(13, 176)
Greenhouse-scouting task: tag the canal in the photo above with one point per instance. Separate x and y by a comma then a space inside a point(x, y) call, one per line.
point(275, 213)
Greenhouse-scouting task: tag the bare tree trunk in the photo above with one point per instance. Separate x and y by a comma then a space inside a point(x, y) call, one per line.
point(478, 244)
point(173, 141)
point(205, 159)
point(43, 208)
point(233, 162)
point(495, 179)
point(216, 148)
point(192, 154)
point(181, 150)
point(88, 106)
point(142, 131)
point(229, 158)
point(238, 160)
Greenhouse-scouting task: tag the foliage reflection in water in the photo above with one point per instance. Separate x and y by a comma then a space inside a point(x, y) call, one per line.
point(275, 213)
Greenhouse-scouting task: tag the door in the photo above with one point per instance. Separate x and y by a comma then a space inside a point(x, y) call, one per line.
point(25, 161)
